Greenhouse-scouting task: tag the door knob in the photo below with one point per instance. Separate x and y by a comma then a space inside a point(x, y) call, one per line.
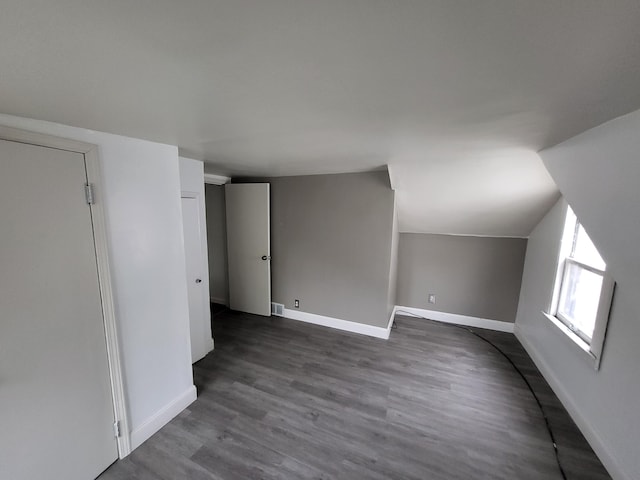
point(265, 257)
point(198, 280)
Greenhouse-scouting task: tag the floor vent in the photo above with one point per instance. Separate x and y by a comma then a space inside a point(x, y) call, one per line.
point(277, 309)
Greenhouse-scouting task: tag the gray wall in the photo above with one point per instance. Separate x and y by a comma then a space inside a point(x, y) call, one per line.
point(331, 244)
point(475, 276)
point(217, 242)
point(598, 172)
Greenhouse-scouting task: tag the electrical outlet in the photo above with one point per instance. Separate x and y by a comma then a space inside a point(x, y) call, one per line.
point(432, 298)
point(296, 303)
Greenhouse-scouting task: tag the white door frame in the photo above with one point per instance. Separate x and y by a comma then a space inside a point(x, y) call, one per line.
point(211, 179)
point(92, 163)
point(197, 196)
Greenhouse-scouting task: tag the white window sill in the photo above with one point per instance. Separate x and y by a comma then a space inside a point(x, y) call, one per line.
point(574, 339)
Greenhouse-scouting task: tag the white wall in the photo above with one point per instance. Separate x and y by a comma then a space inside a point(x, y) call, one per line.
point(192, 182)
point(599, 173)
point(141, 194)
point(191, 175)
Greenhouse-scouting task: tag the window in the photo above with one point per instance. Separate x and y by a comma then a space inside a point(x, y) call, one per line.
point(583, 290)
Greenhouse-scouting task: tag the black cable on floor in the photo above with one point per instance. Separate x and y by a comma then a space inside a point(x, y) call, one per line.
point(515, 367)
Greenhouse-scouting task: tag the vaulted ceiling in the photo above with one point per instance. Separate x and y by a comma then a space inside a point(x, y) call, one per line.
point(456, 97)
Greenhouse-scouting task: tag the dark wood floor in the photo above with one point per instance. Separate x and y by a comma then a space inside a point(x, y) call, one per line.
point(279, 399)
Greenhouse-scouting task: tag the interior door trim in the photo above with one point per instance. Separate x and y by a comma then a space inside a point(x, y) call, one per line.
point(206, 300)
point(92, 164)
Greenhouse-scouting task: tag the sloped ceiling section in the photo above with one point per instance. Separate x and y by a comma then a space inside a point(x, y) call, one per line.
point(498, 193)
point(599, 173)
point(456, 97)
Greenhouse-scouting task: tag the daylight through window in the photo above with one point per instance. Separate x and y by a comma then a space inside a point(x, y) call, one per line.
point(582, 279)
point(583, 290)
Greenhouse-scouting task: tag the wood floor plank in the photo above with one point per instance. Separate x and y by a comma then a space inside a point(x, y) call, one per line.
point(280, 399)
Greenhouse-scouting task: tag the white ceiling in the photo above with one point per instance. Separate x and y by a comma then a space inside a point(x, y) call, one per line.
point(455, 96)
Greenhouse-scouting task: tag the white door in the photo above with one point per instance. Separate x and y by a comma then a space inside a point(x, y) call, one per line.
point(248, 247)
point(56, 411)
point(197, 279)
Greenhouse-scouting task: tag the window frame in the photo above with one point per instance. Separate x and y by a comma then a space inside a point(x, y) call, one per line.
point(592, 347)
point(567, 262)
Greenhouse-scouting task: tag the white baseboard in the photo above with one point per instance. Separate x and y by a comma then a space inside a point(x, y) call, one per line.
point(339, 324)
point(208, 349)
point(457, 319)
point(382, 332)
point(162, 417)
point(608, 459)
point(220, 301)
point(391, 320)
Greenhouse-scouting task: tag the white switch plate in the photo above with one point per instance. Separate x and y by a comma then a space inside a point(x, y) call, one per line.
point(432, 298)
